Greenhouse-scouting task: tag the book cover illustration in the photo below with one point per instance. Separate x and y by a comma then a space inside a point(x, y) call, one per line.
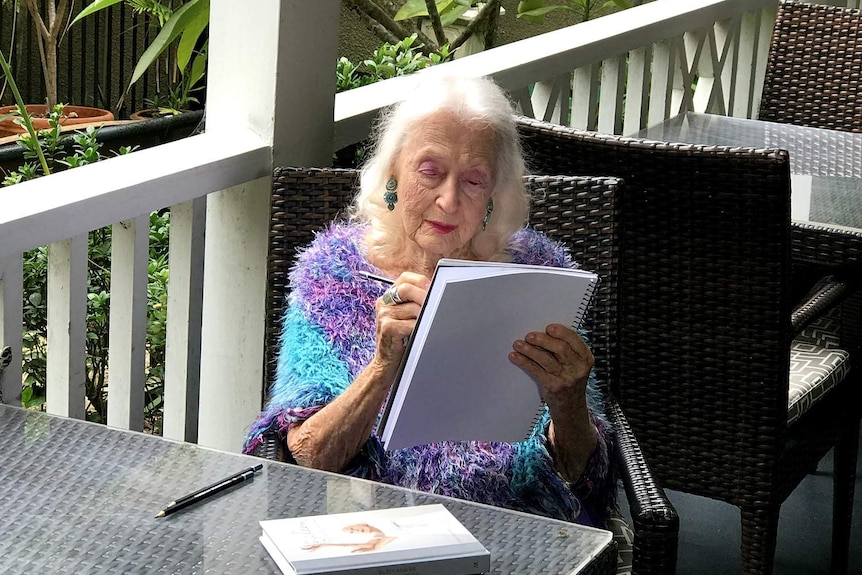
point(368, 539)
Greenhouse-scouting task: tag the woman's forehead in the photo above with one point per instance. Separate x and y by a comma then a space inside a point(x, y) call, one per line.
point(447, 129)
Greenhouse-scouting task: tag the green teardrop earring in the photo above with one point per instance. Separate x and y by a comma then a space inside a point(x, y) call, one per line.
point(390, 196)
point(488, 209)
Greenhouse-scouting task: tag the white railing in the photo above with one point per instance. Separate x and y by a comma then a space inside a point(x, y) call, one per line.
point(266, 107)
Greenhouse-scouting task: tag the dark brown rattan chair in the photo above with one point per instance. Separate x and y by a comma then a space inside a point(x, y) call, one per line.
point(581, 212)
point(813, 76)
point(707, 323)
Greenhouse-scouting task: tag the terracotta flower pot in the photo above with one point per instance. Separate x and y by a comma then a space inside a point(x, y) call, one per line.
point(71, 115)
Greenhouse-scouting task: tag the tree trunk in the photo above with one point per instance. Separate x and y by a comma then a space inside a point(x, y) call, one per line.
point(49, 71)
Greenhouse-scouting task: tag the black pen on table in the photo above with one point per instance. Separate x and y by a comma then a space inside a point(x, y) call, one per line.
point(373, 276)
point(209, 490)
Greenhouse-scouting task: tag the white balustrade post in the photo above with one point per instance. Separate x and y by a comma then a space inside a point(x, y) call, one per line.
point(747, 50)
point(11, 322)
point(610, 120)
point(67, 327)
point(767, 23)
point(637, 91)
point(127, 337)
point(271, 70)
point(183, 337)
point(727, 34)
point(662, 81)
point(585, 97)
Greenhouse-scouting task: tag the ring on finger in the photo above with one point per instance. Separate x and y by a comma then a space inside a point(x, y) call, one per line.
point(391, 297)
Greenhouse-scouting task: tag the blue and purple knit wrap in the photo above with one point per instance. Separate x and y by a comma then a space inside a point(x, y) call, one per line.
point(328, 338)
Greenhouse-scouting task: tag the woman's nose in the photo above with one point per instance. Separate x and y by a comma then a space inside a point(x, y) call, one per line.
point(448, 198)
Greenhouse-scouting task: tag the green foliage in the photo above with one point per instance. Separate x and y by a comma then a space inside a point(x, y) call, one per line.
point(448, 10)
point(35, 336)
point(154, 8)
point(388, 61)
point(534, 10)
point(180, 32)
point(60, 151)
point(394, 21)
point(157, 315)
point(21, 110)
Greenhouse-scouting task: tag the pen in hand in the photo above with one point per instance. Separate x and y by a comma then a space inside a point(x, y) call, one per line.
point(373, 276)
point(209, 490)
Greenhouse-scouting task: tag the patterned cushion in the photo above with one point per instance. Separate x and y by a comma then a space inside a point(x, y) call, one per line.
point(624, 537)
point(814, 370)
point(823, 331)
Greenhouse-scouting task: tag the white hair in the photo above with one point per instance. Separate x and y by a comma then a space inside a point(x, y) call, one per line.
point(472, 100)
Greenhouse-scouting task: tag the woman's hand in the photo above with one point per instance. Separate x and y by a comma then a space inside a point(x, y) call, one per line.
point(333, 436)
point(395, 321)
point(557, 359)
point(559, 362)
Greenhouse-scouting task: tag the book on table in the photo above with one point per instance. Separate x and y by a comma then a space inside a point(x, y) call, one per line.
point(420, 540)
point(456, 382)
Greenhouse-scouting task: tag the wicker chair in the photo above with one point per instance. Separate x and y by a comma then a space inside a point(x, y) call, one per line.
point(707, 328)
point(812, 73)
point(582, 213)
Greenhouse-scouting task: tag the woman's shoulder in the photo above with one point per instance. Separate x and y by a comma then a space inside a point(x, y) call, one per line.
point(528, 246)
point(334, 253)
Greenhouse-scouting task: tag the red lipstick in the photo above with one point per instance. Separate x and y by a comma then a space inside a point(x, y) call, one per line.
point(440, 227)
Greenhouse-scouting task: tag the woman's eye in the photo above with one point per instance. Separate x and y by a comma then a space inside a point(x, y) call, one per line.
point(428, 169)
point(474, 184)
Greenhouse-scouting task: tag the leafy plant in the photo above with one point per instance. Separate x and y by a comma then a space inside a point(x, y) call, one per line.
point(393, 21)
point(535, 10)
point(180, 33)
point(389, 60)
point(35, 336)
point(55, 150)
point(448, 10)
point(23, 118)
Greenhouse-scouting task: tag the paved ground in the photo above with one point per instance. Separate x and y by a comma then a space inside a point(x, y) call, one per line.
point(710, 531)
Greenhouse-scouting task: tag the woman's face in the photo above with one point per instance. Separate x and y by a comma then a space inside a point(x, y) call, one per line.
point(445, 178)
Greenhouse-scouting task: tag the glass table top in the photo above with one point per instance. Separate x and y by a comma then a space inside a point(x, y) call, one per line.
point(78, 498)
point(825, 165)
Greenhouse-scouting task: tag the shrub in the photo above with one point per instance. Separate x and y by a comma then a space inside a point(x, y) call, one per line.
point(388, 61)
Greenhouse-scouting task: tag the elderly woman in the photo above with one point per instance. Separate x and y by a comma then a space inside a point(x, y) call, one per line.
point(444, 180)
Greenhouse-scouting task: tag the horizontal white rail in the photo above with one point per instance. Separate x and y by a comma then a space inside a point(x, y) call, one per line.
point(44, 210)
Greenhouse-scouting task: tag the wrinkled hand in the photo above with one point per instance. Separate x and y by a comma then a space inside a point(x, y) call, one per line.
point(396, 322)
point(557, 359)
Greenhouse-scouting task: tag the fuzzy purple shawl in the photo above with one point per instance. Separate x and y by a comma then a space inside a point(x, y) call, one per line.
point(328, 338)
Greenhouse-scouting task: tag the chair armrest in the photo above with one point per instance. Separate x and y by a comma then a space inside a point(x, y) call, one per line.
point(274, 449)
point(827, 293)
point(656, 523)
